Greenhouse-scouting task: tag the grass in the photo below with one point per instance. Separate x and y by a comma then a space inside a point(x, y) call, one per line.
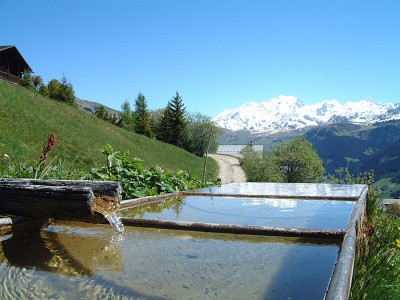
point(387, 187)
point(377, 264)
point(27, 119)
point(377, 270)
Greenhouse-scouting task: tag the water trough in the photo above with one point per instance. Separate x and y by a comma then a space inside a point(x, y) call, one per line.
point(340, 283)
point(207, 243)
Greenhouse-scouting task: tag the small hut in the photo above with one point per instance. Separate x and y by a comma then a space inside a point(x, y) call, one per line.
point(12, 64)
point(234, 150)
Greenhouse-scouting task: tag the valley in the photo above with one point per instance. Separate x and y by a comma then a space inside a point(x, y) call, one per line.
point(360, 148)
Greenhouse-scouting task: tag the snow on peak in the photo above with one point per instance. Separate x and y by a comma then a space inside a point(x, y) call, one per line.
point(285, 113)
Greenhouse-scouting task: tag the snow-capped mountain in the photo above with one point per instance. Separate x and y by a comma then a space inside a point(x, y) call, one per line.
point(285, 113)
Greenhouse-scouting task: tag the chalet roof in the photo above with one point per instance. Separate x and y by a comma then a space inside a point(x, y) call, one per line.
point(5, 47)
point(10, 54)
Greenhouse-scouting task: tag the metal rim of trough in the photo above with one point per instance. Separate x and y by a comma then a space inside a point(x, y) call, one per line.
point(340, 284)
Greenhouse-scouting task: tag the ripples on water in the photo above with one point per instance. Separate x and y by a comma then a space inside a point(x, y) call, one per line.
point(62, 261)
point(94, 262)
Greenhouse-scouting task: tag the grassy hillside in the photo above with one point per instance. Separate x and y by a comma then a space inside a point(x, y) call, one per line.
point(361, 149)
point(27, 119)
point(358, 147)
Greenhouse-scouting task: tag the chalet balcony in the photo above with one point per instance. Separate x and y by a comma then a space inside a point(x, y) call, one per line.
point(10, 77)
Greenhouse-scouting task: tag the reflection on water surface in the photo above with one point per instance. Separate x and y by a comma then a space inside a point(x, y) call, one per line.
point(82, 261)
point(286, 213)
point(71, 260)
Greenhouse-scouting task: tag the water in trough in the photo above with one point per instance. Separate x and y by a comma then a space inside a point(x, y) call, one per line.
point(76, 260)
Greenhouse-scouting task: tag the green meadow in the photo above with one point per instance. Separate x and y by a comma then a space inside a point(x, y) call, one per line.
point(27, 119)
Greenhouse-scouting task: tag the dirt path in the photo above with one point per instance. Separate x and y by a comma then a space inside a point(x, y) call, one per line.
point(229, 169)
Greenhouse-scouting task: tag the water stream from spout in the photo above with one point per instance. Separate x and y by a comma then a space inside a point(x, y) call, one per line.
point(115, 222)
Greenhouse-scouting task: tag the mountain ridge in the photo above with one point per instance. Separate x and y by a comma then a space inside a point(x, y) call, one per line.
point(287, 113)
point(90, 106)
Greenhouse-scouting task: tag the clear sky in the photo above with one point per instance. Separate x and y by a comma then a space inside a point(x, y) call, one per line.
point(217, 54)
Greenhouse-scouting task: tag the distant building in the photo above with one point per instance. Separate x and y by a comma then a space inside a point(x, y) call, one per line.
point(12, 64)
point(234, 150)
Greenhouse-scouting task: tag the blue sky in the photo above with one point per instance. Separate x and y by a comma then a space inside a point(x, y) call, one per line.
point(217, 54)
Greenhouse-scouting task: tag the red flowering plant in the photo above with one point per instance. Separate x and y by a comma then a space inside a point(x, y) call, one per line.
point(42, 170)
point(46, 149)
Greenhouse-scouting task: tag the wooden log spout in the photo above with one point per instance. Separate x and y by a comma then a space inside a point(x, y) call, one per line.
point(59, 199)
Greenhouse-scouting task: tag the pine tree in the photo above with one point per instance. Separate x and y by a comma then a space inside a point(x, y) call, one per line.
point(178, 121)
point(67, 91)
point(164, 132)
point(126, 117)
point(142, 117)
point(172, 126)
point(27, 80)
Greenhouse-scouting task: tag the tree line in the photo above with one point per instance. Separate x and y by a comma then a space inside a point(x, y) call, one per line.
point(172, 125)
point(60, 90)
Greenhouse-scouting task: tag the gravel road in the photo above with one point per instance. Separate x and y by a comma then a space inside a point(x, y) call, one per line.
point(229, 169)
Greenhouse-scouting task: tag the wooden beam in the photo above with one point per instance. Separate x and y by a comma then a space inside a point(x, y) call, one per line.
point(59, 199)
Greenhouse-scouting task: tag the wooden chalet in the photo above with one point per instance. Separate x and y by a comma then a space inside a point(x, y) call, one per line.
point(12, 64)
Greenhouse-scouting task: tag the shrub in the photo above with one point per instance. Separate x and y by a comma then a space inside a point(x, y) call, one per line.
point(138, 182)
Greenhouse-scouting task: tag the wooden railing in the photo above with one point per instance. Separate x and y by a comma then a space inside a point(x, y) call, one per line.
point(10, 77)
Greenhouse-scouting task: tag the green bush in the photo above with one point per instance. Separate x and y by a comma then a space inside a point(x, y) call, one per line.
point(138, 182)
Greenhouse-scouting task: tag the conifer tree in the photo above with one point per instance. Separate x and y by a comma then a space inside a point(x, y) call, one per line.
point(67, 91)
point(142, 117)
point(102, 113)
point(127, 116)
point(27, 80)
point(164, 131)
point(154, 119)
point(172, 125)
point(178, 123)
